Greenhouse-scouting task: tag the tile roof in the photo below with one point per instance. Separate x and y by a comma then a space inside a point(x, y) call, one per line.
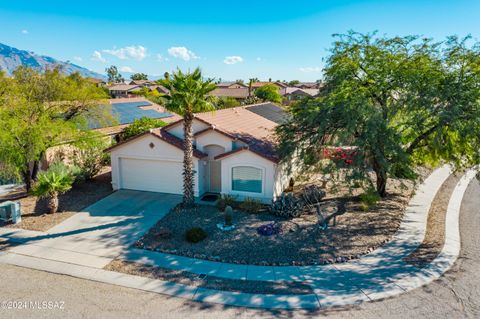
point(123, 87)
point(254, 130)
point(310, 92)
point(164, 136)
point(239, 123)
point(230, 92)
point(227, 84)
point(260, 84)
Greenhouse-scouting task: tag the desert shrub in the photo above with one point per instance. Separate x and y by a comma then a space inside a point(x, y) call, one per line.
point(227, 102)
point(139, 126)
point(369, 199)
point(226, 200)
point(88, 155)
point(195, 235)
point(251, 205)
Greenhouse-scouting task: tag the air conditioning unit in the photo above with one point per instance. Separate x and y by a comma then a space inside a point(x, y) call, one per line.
point(10, 211)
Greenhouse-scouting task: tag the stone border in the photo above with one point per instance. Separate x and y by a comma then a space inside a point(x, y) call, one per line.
point(378, 275)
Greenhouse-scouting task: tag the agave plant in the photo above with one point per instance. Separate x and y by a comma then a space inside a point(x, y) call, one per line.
point(55, 181)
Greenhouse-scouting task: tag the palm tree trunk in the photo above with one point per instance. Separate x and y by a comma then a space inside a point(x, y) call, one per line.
point(53, 203)
point(188, 178)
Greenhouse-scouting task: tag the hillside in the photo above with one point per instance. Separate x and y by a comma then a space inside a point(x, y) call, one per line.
point(11, 58)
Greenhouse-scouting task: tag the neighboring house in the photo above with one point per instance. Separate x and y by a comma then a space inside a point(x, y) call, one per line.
point(238, 93)
point(234, 154)
point(281, 86)
point(142, 82)
point(295, 94)
point(231, 85)
point(98, 82)
point(159, 88)
point(123, 90)
point(308, 85)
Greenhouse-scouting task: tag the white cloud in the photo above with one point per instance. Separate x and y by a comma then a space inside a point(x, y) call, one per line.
point(161, 58)
point(24, 31)
point(258, 59)
point(126, 69)
point(77, 58)
point(310, 69)
point(97, 56)
point(182, 53)
point(137, 52)
point(233, 59)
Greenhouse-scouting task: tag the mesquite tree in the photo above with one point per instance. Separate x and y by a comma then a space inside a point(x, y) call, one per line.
point(395, 102)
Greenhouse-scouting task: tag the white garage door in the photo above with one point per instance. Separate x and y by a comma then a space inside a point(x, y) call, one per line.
point(151, 175)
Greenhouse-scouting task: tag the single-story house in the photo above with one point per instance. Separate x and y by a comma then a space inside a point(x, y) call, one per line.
point(142, 82)
point(123, 90)
point(239, 94)
point(294, 93)
point(231, 85)
point(308, 85)
point(235, 153)
point(281, 86)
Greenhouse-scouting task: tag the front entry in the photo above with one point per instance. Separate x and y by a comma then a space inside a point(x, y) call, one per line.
point(214, 171)
point(215, 176)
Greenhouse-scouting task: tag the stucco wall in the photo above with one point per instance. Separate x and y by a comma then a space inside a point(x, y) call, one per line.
point(140, 148)
point(177, 130)
point(247, 158)
point(213, 138)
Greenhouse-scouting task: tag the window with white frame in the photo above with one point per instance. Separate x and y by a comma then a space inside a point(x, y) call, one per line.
point(247, 179)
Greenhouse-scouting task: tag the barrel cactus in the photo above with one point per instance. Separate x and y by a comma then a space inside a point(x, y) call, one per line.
point(228, 216)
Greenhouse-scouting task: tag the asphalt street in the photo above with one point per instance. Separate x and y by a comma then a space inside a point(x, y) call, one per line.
point(46, 295)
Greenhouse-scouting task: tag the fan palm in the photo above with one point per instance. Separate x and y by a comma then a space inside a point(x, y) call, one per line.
point(189, 95)
point(56, 180)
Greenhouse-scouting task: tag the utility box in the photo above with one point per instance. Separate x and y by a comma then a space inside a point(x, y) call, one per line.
point(10, 211)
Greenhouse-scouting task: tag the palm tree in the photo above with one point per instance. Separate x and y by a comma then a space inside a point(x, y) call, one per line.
point(56, 180)
point(189, 95)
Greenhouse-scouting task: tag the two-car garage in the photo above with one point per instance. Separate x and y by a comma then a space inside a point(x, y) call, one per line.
point(150, 175)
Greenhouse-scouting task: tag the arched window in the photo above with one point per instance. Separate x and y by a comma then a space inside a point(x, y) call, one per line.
point(247, 179)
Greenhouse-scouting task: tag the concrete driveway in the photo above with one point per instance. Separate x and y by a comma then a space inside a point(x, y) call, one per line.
point(102, 231)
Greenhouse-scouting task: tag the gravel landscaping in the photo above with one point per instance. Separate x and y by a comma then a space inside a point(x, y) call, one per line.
point(434, 239)
point(210, 282)
point(300, 241)
point(35, 211)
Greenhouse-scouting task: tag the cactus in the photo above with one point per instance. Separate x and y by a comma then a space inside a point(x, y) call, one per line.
point(228, 216)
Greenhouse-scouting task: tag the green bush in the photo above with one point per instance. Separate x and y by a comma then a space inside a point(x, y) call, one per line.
point(227, 102)
point(57, 180)
point(251, 205)
point(226, 200)
point(140, 126)
point(195, 235)
point(88, 155)
point(369, 199)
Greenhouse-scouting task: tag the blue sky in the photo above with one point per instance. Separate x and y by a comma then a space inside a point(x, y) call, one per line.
point(227, 39)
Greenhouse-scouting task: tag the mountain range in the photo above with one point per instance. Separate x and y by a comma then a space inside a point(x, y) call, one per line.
point(11, 58)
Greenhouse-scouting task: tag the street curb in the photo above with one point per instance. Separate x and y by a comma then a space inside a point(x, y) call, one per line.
point(400, 283)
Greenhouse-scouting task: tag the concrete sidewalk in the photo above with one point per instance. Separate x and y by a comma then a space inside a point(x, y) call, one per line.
point(375, 276)
point(96, 236)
